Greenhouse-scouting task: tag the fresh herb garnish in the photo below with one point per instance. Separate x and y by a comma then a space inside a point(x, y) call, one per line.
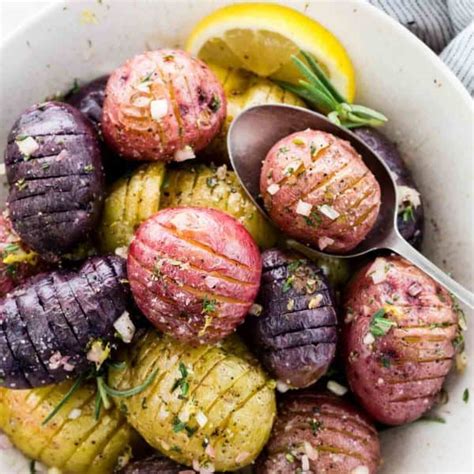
point(407, 213)
point(182, 383)
point(208, 306)
point(316, 89)
point(314, 219)
point(147, 77)
point(179, 426)
point(288, 284)
point(385, 361)
point(465, 395)
point(315, 425)
point(380, 325)
point(215, 104)
point(434, 418)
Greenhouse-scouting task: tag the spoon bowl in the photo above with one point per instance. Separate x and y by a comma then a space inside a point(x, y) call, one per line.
point(253, 133)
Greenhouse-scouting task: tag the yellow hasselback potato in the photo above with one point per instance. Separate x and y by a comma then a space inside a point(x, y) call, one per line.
point(73, 440)
point(244, 90)
point(217, 188)
point(208, 405)
point(129, 202)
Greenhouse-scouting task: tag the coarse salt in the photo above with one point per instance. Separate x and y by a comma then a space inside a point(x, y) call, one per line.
point(75, 413)
point(186, 153)
point(158, 109)
point(329, 211)
point(201, 419)
point(336, 388)
point(378, 271)
point(273, 189)
point(27, 146)
point(303, 208)
point(125, 327)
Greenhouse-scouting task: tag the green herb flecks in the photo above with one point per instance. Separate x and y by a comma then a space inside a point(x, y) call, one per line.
point(179, 426)
point(465, 395)
point(408, 213)
point(433, 418)
point(288, 284)
point(380, 325)
point(215, 104)
point(314, 219)
point(316, 89)
point(182, 382)
point(315, 425)
point(147, 77)
point(208, 306)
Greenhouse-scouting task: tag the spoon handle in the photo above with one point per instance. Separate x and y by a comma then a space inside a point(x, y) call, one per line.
point(402, 247)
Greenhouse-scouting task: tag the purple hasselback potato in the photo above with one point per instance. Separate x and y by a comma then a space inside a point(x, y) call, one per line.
point(295, 334)
point(47, 324)
point(410, 208)
point(54, 169)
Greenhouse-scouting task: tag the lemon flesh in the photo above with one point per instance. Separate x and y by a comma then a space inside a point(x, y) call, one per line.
point(262, 37)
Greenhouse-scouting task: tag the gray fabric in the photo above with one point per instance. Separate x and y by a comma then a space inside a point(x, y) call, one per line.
point(446, 26)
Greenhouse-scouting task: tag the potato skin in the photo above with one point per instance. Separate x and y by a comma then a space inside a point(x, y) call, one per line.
point(296, 334)
point(225, 384)
point(17, 261)
point(216, 188)
point(195, 106)
point(243, 90)
point(48, 323)
point(77, 446)
point(397, 376)
point(335, 436)
point(130, 201)
point(154, 464)
point(326, 173)
point(56, 192)
point(410, 224)
point(194, 273)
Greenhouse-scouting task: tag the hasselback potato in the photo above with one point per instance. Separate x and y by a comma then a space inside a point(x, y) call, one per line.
point(320, 433)
point(154, 464)
point(17, 261)
point(398, 339)
point(295, 335)
point(208, 406)
point(162, 105)
point(243, 90)
point(317, 189)
point(129, 202)
point(194, 273)
point(49, 323)
point(217, 188)
point(54, 170)
point(73, 440)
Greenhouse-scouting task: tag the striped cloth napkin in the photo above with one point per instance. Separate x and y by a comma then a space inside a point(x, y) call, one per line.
point(446, 26)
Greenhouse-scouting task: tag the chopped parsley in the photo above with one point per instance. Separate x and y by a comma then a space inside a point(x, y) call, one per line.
point(182, 383)
point(288, 284)
point(9, 249)
point(147, 77)
point(32, 466)
point(209, 306)
point(408, 213)
point(465, 395)
point(215, 104)
point(315, 425)
point(385, 361)
point(179, 426)
point(314, 219)
point(380, 325)
point(295, 264)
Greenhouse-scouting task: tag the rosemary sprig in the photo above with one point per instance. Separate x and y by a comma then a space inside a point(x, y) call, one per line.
point(104, 391)
point(316, 89)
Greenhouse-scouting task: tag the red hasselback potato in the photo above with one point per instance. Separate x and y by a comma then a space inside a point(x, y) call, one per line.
point(318, 190)
point(17, 261)
point(194, 272)
point(162, 105)
point(320, 433)
point(398, 339)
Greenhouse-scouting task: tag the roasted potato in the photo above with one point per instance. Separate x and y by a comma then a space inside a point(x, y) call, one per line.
point(410, 218)
point(209, 406)
point(217, 188)
point(73, 440)
point(54, 170)
point(47, 325)
point(295, 335)
point(318, 190)
point(129, 202)
point(244, 90)
point(320, 432)
point(17, 261)
point(398, 339)
point(154, 464)
point(162, 105)
point(194, 273)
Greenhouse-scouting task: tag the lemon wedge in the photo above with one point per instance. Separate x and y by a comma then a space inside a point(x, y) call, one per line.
point(262, 37)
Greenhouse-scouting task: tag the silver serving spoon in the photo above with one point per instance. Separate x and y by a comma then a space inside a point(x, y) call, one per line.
point(257, 129)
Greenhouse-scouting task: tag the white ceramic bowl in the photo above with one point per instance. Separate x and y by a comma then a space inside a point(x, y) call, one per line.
point(431, 118)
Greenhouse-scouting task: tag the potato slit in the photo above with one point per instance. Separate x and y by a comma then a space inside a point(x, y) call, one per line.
point(404, 381)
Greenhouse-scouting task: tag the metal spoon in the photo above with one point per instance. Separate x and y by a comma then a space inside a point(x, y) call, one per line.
point(257, 129)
